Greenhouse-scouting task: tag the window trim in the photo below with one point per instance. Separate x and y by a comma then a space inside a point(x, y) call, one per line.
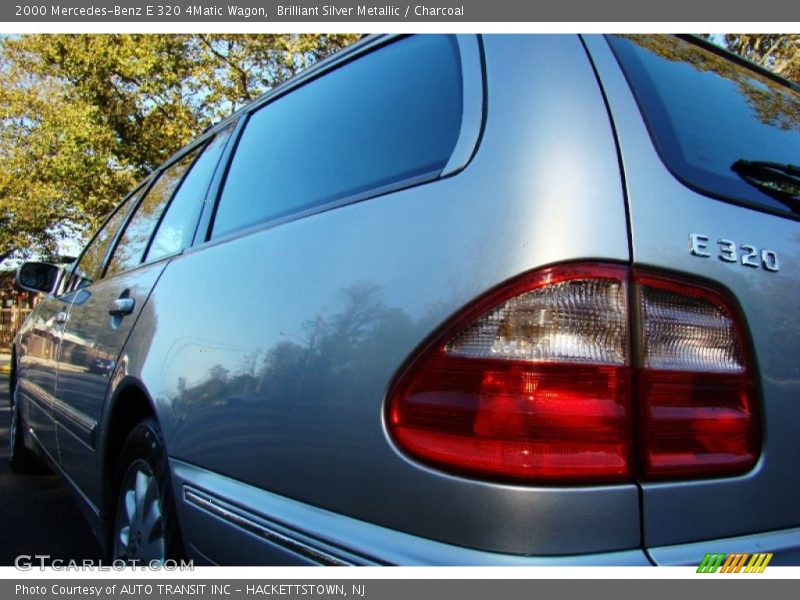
point(203, 226)
point(166, 208)
point(473, 90)
point(201, 149)
point(473, 102)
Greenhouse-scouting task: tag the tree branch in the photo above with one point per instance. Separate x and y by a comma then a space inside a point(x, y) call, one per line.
point(243, 76)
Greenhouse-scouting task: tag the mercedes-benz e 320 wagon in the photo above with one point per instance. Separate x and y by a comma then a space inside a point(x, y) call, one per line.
point(443, 300)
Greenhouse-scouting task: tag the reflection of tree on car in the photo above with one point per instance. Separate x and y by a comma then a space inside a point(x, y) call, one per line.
point(774, 104)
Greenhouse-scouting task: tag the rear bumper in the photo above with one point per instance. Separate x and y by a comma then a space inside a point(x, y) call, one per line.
point(783, 544)
point(228, 522)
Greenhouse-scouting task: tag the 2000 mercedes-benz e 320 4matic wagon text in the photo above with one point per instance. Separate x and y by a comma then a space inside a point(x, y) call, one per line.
point(447, 300)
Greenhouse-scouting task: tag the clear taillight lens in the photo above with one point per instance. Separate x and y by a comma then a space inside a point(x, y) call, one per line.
point(687, 330)
point(575, 321)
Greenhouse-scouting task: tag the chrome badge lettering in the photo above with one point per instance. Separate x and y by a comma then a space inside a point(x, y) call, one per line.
point(729, 251)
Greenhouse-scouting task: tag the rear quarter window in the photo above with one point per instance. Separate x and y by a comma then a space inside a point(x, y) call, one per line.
point(388, 118)
point(706, 112)
point(177, 226)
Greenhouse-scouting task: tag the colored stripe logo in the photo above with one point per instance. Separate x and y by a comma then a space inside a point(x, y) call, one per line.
point(735, 563)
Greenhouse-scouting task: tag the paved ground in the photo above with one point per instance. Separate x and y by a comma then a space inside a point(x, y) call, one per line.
point(37, 513)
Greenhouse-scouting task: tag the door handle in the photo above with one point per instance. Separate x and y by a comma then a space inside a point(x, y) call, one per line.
point(121, 307)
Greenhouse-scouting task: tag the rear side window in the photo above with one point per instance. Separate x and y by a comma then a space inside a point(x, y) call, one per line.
point(130, 249)
point(388, 118)
point(705, 113)
point(177, 226)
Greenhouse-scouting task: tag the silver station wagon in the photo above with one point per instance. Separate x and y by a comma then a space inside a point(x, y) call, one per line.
point(468, 300)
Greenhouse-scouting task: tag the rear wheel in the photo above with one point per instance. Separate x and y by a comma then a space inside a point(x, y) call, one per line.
point(22, 459)
point(145, 525)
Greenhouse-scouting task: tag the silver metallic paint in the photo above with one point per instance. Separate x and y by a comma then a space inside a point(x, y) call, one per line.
point(663, 212)
point(267, 355)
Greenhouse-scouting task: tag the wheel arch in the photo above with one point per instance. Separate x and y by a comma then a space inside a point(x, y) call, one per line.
point(130, 403)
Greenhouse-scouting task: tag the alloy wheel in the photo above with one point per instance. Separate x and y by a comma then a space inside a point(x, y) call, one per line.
point(139, 526)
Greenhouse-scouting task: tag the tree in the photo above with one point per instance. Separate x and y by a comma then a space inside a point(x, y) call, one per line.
point(55, 161)
point(83, 117)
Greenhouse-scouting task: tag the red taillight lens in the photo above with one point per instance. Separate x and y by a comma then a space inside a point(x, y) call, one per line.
point(531, 383)
point(696, 395)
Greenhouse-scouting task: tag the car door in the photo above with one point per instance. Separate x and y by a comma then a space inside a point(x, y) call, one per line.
point(39, 341)
point(43, 336)
point(104, 311)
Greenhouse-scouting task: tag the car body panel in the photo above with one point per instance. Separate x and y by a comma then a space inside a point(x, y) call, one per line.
point(93, 341)
point(663, 214)
point(290, 532)
point(38, 344)
point(273, 400)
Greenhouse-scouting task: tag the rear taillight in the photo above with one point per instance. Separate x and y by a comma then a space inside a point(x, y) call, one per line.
point(533, 382)
point(696, 397)
point(530, 383)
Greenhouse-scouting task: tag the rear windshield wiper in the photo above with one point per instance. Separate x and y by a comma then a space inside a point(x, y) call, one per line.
point(780, 181)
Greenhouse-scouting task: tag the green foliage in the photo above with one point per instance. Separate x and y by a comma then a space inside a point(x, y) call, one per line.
point(83, 117)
